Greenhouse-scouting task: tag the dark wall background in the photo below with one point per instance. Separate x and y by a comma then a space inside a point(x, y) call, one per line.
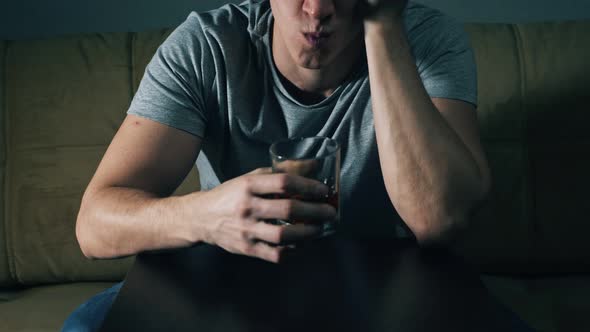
point(25, 19)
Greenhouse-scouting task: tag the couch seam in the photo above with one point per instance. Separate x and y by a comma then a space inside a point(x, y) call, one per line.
point(7, 168)
point(530, 194)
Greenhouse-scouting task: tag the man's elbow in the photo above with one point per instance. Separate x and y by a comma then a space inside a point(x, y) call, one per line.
point(83, 233)
point(440, 228)
point(83, 240)
point(437, 233)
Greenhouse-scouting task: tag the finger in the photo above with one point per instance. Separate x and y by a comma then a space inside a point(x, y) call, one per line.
point(299, 232)
point(264, 170)
point(297, 167)
point(266, 252)
point(284, 234)
point(292, 209)
point(286, 184)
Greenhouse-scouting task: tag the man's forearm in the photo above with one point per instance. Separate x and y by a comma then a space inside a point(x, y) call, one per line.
point(116, 222)
point(430, 175)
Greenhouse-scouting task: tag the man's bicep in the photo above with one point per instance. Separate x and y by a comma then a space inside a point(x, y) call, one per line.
point(147, 155)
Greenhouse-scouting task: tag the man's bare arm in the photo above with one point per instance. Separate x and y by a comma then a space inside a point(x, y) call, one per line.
point(126, 208)
point(433, 164)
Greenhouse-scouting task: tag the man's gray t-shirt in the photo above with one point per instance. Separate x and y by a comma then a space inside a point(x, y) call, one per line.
point(214, 78)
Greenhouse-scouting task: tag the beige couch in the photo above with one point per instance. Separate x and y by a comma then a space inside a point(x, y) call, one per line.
point(62, 100)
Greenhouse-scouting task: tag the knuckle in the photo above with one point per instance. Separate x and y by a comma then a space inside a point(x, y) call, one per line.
point(243, 209)
point(245, 235)
point(247, 183)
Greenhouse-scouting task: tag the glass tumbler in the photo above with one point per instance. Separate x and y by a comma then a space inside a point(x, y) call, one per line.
point(316, 158)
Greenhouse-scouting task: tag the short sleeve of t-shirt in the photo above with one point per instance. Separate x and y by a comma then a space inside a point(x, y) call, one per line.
point(443, 54)
point(172, 89)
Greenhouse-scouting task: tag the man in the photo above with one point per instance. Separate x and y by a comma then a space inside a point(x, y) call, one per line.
point(394, 83)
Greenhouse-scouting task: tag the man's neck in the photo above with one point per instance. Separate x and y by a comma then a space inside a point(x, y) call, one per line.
point(311, 86)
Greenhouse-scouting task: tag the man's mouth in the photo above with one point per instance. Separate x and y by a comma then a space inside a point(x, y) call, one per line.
point(316, 39)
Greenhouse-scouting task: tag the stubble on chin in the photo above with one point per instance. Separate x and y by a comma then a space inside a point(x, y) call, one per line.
point(310, 58)
point(311, 63)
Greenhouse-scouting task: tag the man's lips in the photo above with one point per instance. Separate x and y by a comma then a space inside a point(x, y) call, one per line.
point(316, 39)
point(317, 34)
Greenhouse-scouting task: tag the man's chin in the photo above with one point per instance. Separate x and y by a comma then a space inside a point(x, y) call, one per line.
point(311, 63)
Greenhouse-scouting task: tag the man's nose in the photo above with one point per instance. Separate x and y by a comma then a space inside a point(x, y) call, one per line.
point(319, 9)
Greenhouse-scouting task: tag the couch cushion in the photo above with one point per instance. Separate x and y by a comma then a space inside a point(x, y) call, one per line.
point(143, 48)
point(556, 91)
point(44, 308)
point(64, 101)
point(547, 304)
point(499, 238)
point(497, 56)
point(533, 85)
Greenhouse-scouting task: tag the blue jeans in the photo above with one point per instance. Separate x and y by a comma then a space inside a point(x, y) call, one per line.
point(89, 316)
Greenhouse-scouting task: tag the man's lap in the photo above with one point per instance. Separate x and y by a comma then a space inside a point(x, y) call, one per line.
point(90, 315)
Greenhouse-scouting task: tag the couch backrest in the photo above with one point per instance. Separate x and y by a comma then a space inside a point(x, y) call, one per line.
point(63, 99)
point(534, 84)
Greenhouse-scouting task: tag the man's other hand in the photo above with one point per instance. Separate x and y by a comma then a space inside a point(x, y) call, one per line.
point(236, 211)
